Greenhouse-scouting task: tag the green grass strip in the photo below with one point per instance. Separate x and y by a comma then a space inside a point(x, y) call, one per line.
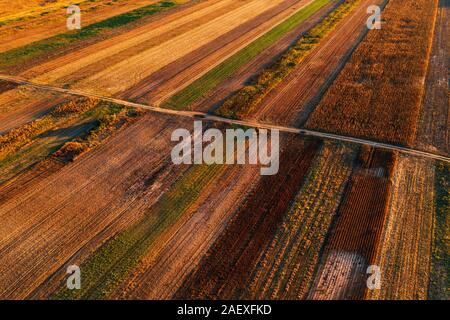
point(38, 48)
point(224, 70)
point(111, 264)
point(247, 98)
point(440, 265)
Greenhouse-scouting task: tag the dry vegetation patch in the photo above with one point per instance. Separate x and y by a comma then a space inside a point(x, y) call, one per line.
point(405, 246)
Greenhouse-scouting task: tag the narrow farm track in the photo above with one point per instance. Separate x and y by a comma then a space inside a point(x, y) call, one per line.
point(179, 74)
point(433, 133)
point(209, 117)
point(42, 225)
point(293, 99)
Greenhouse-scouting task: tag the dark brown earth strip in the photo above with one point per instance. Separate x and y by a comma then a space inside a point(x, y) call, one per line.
point(434, 129)
point(357, 228)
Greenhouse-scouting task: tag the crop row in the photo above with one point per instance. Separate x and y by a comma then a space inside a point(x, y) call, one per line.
point(225, 270)
point(213, 78)
point(286, 268)
point(379, 92)
point(243, 101)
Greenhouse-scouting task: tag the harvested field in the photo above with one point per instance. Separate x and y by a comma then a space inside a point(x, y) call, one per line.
point(286, 268)
point(378, 94)
point(15, 26)
point(120, 75)
point(176, 254)
point(133, 40)
point(440, 263)
point(111, 264)
point(19, 58)
point(224, 271)
point(433, 133)
point(20, 105)
point(406, 241)
point(6, 86)
point(354, 238)
point(42, 226)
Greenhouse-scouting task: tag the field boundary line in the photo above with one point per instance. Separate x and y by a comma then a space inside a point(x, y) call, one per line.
point(210, 117)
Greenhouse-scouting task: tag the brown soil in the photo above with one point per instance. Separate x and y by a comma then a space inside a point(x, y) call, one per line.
point(433, 133)
point(224, 271)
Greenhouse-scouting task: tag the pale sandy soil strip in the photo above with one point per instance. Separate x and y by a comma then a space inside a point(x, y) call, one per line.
point(39, 28)
point(46, 225)
point(433, 133)
point(405, 251)
point(292, 100)
point(65, 65)
point(340, 275)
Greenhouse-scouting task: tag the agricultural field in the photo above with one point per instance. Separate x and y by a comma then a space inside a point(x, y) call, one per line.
point(27, 16)
point(315, 163)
